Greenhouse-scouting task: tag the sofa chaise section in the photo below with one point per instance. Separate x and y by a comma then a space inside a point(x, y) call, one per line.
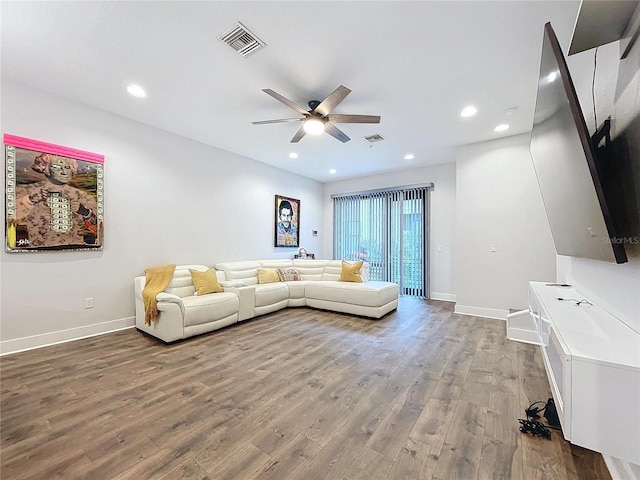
point(371, 299)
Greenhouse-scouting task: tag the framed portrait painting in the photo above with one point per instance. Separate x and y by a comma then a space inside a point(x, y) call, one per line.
point(287, 222)
point(54, 197)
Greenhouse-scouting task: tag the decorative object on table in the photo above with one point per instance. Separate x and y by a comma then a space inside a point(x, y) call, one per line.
point(287, 222)
point(303, 255)
point(54, 197)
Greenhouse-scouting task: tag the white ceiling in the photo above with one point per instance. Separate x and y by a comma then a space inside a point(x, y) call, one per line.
point(416, 64)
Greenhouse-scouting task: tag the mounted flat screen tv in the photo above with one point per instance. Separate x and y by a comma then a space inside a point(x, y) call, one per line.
point(565, 159)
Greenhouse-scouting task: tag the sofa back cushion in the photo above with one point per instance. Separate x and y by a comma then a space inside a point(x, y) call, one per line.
point(181, 283)
point(245, 272)
point(365, 272)
point(279, 263)
point(310, 269)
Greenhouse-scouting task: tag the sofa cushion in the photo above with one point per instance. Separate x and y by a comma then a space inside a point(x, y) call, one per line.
point(333, 270)
point(370, 294)
point(205, 282)
point(350, 272)
point(296, 290)
point(288, 274)
point(268, 275)
point(271, 293)
point(209, 308)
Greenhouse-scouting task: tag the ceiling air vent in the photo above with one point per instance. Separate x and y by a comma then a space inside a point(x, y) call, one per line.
point(241, 40)
point(376, 137)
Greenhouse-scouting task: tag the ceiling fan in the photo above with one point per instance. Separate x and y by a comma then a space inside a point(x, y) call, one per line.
point(319, 118)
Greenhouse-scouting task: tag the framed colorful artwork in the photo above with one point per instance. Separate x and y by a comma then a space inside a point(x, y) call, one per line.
point(54, 197)
point(287, 222)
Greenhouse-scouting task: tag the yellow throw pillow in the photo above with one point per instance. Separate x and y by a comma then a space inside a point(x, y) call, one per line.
point(205, 282)
point(268, 275)
point(350, 272)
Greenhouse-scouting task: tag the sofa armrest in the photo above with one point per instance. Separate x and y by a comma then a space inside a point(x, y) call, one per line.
point(165, 299)
point(247, 298)
point(168, 297)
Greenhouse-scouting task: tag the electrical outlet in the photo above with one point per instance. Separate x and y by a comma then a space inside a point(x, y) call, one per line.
point(439, 248)
point(88, 303)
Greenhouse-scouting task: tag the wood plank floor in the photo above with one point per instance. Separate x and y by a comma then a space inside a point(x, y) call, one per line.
point(299, 394)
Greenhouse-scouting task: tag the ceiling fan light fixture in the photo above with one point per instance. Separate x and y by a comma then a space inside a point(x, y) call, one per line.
point(314, 126)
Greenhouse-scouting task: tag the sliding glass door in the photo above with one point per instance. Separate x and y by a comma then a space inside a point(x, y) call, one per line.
point(388, 229)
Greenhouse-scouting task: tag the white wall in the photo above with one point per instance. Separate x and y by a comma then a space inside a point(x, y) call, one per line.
point(167, 200)
point(617, 91)
point(499, 203)
point(442, 221)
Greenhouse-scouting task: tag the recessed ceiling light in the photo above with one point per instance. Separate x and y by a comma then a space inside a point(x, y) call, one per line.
point(136, 90)
point(332, 171)
point(502, 127)
point(468, 111)
point(409, 156)
point(293, 155)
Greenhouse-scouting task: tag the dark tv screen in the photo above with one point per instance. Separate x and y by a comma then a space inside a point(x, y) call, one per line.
point(565, 163)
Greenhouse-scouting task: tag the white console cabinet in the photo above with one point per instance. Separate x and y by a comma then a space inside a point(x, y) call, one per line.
point(592, 361)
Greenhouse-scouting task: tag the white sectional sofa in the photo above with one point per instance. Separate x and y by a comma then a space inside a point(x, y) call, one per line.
point(183, 314)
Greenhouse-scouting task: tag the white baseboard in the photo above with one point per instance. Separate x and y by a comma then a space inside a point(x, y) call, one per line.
point(482, 312)
point(51, 338)
point(446, 297)
point(621, 470)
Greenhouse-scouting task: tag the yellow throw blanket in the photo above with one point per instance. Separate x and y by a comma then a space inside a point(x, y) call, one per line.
point(157, 280)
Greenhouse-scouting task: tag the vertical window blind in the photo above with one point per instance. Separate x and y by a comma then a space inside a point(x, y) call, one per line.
point(388, 229)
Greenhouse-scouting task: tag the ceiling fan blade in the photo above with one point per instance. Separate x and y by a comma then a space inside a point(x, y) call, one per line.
point(286, 101)
point(299, 134)
point(336, 132)
point(332, 100)
point(281, 120)
point(348, 118)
